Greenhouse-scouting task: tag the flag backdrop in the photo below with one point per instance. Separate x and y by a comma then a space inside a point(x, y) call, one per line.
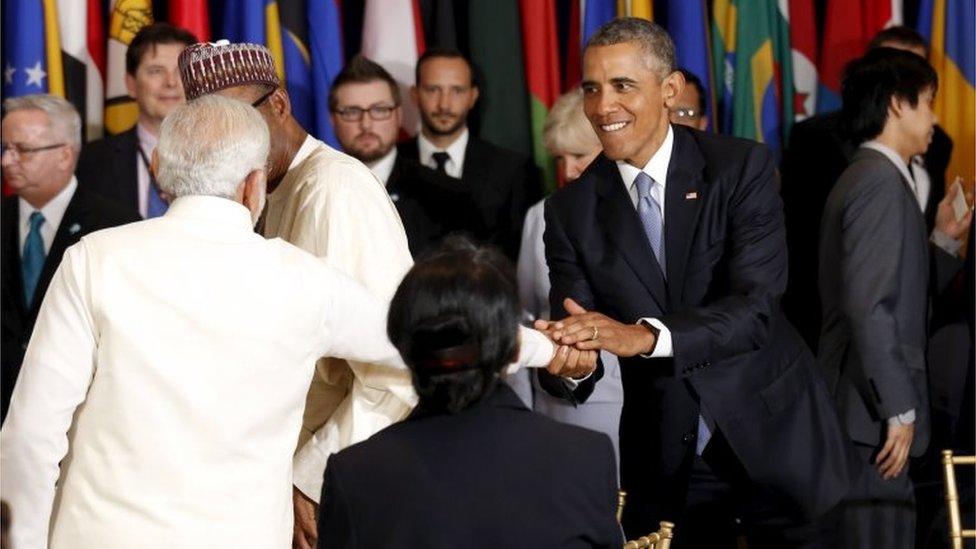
point(126, 17)
point(803, 37)
point(542, 75)
point(950, 26)
point(393, 36)
point(687, 23)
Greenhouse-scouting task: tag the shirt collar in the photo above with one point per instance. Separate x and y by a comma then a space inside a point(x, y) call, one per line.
point(213, 209)
point(309, 145)
point(54, 210)
point(383, 167)
point(456, 149)
point(146, 139)
point(656, 167)
point(893, 156)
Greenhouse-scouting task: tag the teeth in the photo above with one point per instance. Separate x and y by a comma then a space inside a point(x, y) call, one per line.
point(612, 127)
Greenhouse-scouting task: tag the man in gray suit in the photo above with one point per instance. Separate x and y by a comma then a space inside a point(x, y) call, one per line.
point(875, 265)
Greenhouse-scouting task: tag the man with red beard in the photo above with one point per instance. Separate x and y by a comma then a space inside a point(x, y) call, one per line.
point(503, 183)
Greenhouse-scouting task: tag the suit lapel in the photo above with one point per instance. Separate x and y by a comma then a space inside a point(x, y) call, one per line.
point(12, 280)
point(617, 215)
point(683, 198)
point(72, 226)
point(126, 168)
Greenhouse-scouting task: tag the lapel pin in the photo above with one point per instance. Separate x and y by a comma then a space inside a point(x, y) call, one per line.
point(394, 197)
point(693, 195)
point(74, 229)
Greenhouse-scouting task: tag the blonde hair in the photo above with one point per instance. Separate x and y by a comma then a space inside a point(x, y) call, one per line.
point(567, 129)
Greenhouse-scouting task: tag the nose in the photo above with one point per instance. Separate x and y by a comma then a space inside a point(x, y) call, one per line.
point(172, 78)
point(443, 101)
point(366, 122)
point(604, 103)
point(8, 157)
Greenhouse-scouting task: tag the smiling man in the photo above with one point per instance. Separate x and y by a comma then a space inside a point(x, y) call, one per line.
point(676, 237)
point(118, 166)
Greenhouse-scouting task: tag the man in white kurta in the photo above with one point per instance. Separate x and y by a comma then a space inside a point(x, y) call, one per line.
point(170, 362)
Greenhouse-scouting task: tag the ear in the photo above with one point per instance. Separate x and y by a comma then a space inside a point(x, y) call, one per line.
point(254, 190)
point(280, 103)
point(475, 94)
point(671, 87)
point(398, 115)
point(130, 85)
point(897, 106)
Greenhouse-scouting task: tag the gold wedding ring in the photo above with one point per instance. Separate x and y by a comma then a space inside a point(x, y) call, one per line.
point(596, 333)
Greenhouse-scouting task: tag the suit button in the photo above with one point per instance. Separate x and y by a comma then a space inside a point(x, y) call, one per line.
point(689, 438)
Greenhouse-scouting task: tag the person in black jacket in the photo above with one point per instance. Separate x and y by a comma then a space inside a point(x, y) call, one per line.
point(503, 183)
point(471, 466)
point(117, 166)
point(48, 212)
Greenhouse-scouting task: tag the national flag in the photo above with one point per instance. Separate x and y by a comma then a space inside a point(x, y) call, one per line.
point(191, 15)
point(503, 109)
point(31, 48)
point(126, 18)
point(752, 52)
point(594, 14)
point(305, 41)
point(542, 75)
point(803, 39)
point(83, 61)
point(643, 9)
point(848, 28)
point(393, 36)
point(950, 26)
point(574, 47)
point(687, 23)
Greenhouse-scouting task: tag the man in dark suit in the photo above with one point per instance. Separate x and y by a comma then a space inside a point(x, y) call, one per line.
point(366, 113)
point(819, 150)
point(41, 140)
point(503, 183)
point(676, 236)
point(117, 166)
point(874, 283)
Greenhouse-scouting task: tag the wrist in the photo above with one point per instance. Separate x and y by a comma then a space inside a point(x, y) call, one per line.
point(648, 337)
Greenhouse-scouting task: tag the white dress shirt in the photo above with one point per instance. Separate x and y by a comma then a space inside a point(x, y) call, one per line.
point(383, 167)
point(657, 168)
point(148, 143)
point(455, 165)
point(53, 212)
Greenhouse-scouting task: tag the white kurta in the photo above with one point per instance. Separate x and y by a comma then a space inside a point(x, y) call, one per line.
point(178, 351)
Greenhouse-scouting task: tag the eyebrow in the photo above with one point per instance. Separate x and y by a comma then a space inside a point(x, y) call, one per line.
point(622, 80)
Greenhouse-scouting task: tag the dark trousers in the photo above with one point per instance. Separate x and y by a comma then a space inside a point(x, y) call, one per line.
point(878, 512)
point(724, 505)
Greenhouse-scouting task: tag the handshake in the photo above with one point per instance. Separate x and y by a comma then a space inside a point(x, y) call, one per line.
point(583, 334)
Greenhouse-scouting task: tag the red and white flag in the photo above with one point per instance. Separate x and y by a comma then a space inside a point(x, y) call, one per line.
point(803, 42)
point(393, 36)
point(83, 48)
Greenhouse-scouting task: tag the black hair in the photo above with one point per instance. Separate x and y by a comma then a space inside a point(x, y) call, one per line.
point(454, 320)
point(693, 80)
point(361, 70)
point(899, 34)
point(444, 53)
point(871, 81)
point(151, 36)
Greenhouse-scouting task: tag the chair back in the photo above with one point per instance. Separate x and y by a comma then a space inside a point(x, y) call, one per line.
point(956, 532)
point(657, 540)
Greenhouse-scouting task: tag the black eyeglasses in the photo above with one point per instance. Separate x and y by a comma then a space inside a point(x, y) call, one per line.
point(263, 98)
point(20, 150)
point(376, 112)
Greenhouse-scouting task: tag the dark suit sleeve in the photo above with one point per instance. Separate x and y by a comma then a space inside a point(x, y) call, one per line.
point(336, 528)
point(739, 321)
point(526, 191)
point(567, 280)
point(870, 260)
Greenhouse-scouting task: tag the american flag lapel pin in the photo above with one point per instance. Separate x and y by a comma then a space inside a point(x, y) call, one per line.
point(693, 195)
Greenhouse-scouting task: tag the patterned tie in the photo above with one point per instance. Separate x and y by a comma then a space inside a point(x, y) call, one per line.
point(32, 260)
point(650, 215)
point(441, 158)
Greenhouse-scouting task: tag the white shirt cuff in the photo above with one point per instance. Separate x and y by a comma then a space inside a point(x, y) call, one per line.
point(906, 418)
point(663, 347)
point(948, 244)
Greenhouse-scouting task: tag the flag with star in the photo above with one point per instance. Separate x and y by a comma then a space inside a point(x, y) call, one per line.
point(30, 49)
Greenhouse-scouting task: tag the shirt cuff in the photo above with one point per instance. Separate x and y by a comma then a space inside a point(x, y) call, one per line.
point(906, 418)
point(948, 244)
point(663, 347)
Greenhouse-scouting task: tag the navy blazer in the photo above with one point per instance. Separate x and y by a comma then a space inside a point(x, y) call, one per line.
point(733, 350)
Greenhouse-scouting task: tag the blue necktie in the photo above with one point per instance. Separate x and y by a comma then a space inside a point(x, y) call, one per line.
point(650, 216)
point(155, 206)
point(32, 260)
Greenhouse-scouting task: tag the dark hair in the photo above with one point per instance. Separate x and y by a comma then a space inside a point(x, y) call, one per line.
point(690, 78)
point(444, 53)
point(899, 35)
point(454, 320)
point(151, 36)
point(655, 42)
point(871, 81)
point(361, 70)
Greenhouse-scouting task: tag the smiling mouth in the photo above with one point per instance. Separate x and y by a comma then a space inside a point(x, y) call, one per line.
point(616, 126)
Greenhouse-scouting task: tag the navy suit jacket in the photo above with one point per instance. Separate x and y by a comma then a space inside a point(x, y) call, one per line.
point(733, 350)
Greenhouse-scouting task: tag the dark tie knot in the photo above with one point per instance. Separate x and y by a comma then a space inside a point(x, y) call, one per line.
point(441, 158)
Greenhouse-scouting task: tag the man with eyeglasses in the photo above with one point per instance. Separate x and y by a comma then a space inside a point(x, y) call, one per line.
point(117, 166)
point(689, 106)
point(330, 205)
point(48, 213)
point(366, 114)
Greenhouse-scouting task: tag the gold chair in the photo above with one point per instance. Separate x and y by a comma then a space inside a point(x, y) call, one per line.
point(956, 533)
point(621, 501)
point(657, 540)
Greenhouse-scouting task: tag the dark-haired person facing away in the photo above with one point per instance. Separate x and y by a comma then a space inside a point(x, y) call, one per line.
point(819, 149)
point(874, 283)
point(503, 183)
point(117, 166)
point(471, 466)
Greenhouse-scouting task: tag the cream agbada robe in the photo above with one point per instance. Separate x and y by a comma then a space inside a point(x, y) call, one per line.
point(178, 351)
point(332, 206)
